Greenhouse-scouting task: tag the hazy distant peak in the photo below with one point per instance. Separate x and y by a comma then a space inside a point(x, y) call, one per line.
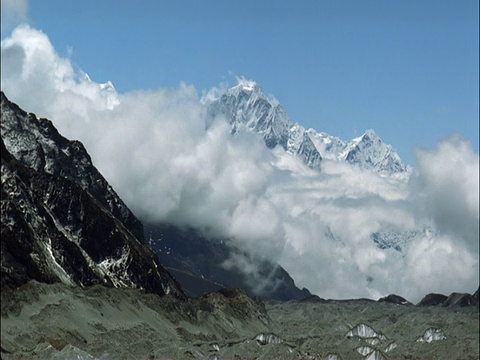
point(370, 134)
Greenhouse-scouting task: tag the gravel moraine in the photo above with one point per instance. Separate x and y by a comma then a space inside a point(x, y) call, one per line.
point(61, 322)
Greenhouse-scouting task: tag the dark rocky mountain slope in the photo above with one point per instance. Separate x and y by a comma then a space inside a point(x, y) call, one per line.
point(61, 221)
point(205, 264)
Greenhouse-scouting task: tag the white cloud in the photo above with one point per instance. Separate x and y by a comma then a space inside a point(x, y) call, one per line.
point(448, 184)
point(440, 264)
point(168, 163)
point(48, 84)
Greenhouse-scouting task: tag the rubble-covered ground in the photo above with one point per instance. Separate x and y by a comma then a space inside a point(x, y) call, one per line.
point(61, 322)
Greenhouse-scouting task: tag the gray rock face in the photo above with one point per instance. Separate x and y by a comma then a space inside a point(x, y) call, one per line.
point(395, 299)
point(461, 299)
point(61, 221)
point(392, 239)
point(432, 300)
point(453, 300)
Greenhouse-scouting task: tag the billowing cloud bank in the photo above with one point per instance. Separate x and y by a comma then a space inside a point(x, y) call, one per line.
point(163, 158)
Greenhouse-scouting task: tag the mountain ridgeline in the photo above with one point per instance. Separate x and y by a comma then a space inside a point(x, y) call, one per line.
point(247, 108)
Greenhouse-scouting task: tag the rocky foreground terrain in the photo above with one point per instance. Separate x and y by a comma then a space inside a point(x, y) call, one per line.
point(61, 322)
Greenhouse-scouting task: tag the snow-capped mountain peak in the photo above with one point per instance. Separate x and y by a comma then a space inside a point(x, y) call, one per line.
point(369, 136)
point(247, 107)
point(369, 151)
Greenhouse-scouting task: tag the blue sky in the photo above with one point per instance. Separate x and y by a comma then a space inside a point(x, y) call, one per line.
point(408, 69)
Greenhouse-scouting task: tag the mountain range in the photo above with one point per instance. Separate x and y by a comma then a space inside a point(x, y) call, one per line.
point(247, 108)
